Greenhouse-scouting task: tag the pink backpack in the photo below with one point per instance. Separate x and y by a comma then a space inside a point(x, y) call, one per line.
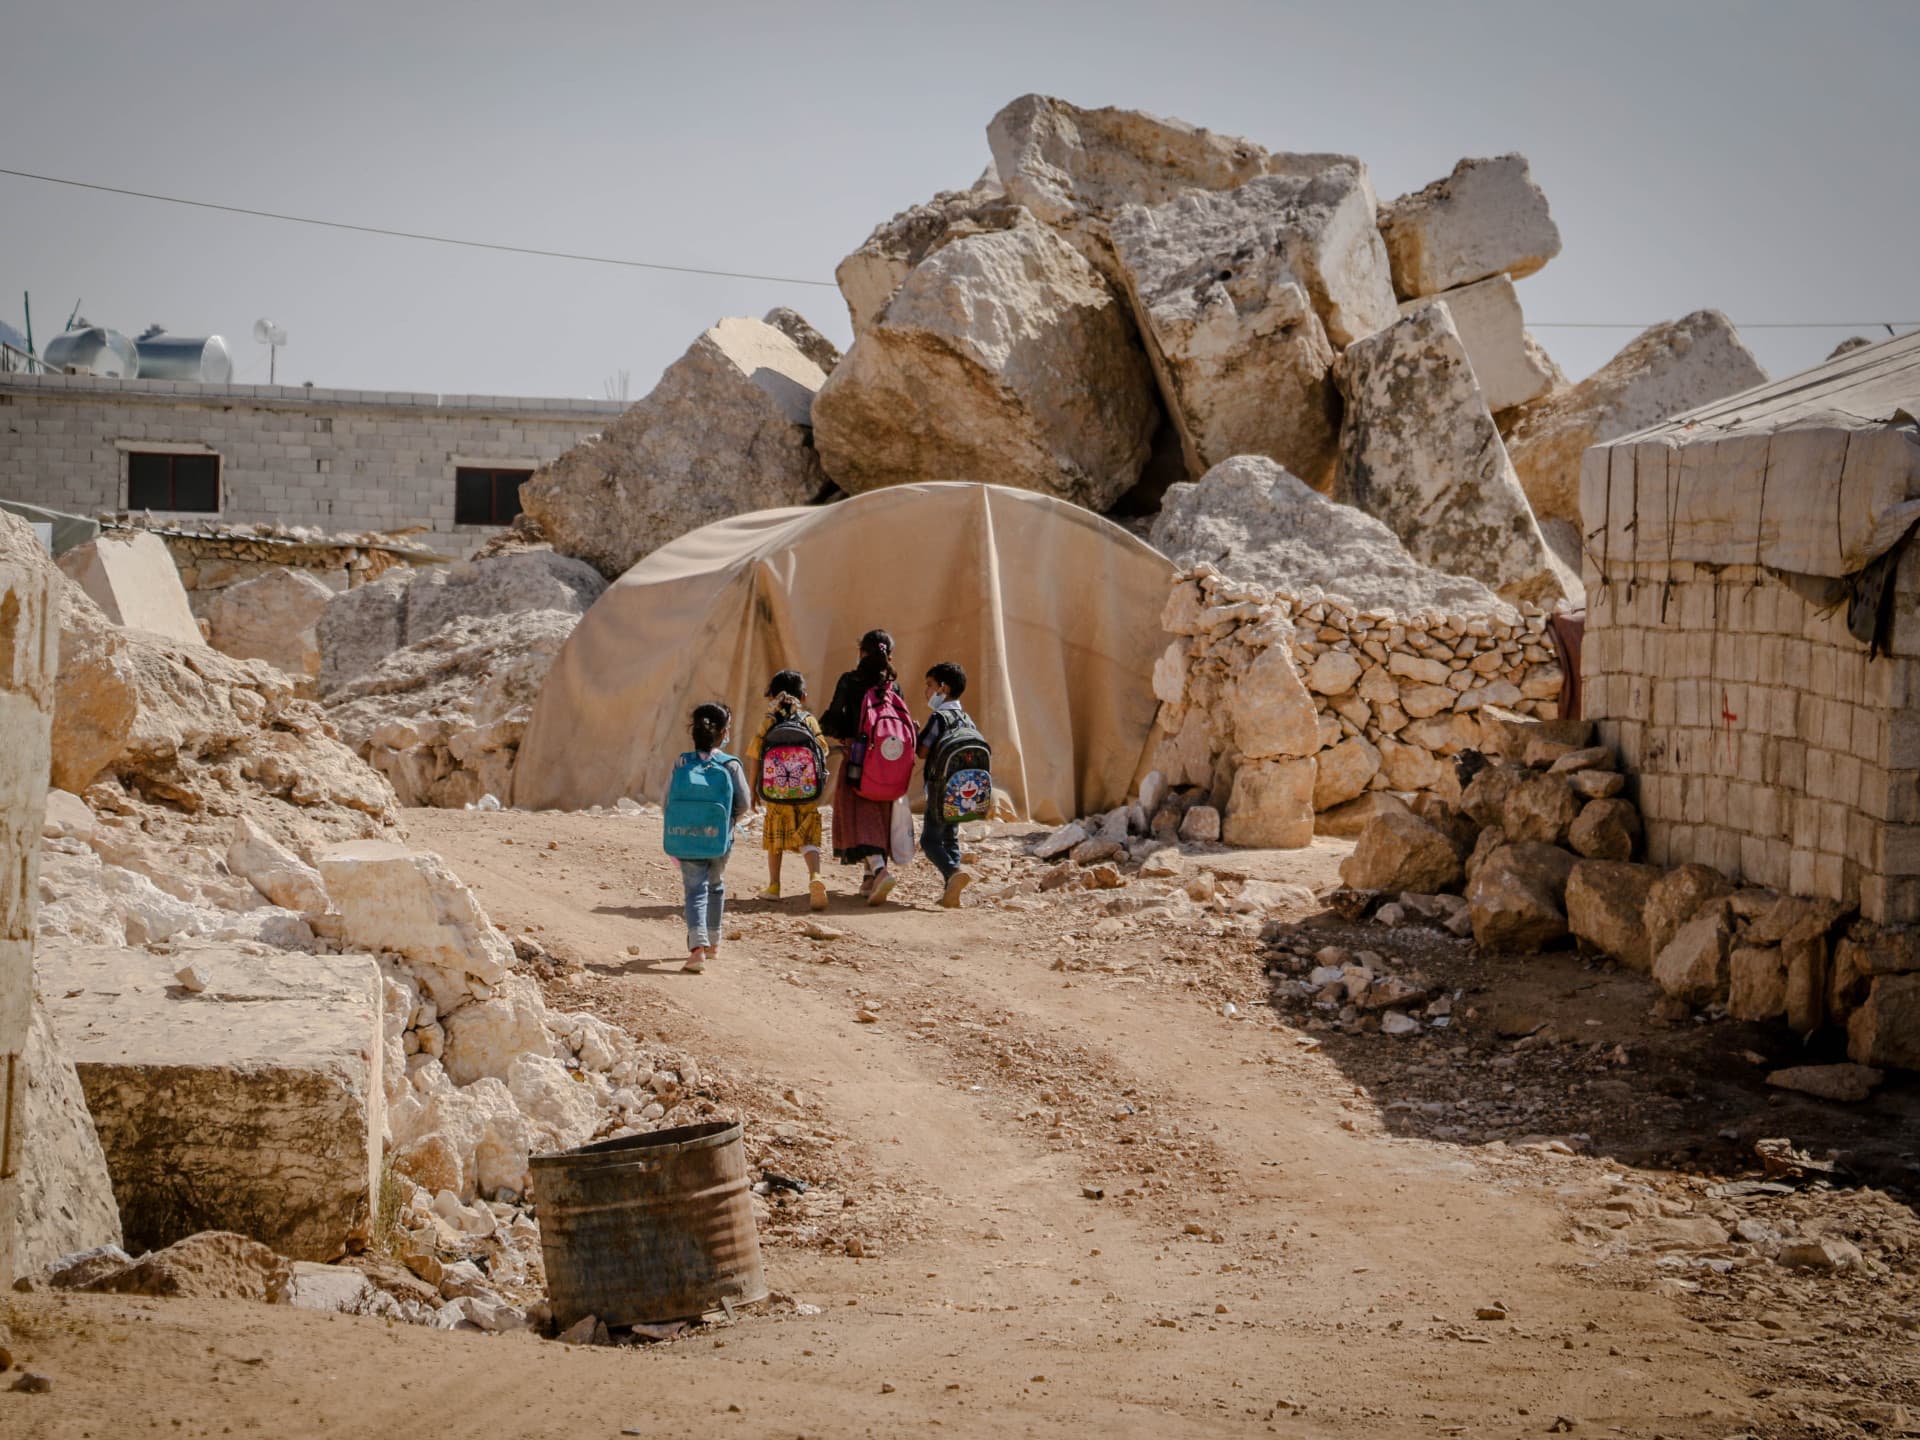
point(888, 737)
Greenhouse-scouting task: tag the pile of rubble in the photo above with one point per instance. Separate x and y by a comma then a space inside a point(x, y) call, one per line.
point(1292, 712)
point(431, 676)
point(1121, 301)
point(1540, 849)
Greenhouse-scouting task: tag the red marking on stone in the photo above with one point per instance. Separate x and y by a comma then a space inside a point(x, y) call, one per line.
point(1728, 716)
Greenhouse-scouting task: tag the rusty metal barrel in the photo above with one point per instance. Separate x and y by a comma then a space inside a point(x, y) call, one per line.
point(649, 1228)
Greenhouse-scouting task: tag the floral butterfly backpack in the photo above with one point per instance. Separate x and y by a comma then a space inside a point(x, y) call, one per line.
point(793, 767)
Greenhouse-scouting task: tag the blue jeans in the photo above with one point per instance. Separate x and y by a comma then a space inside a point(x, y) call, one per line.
point(941, 842)
point(705, 884)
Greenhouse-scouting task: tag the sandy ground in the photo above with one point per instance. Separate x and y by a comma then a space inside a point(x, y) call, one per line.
point(1276, 1251)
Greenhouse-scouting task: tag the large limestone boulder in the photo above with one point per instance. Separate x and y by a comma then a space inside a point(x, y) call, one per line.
point(1237, 294)
point(1509, 366)
point(1664, 371)
point(1271, 805)
point(1486, 218)
point(131, 576)
point(1002, 358)
point(1400, 851)
point(274, 870)
point(1419, 450)
point(725, 431)
point(363, 626)
point(273, 617)
point(1606, 829)
point(869, 276)
point(252, 1103)
point(1677, 897)
point(1606, 907)
point(1517, 898)
point(443, 718)
point(1254, 521)
point(66, 1197)
point(1076, 168)
point(1270, 709)
point(407, 902)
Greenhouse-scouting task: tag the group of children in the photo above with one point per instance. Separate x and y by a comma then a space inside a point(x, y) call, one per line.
point(787, 761)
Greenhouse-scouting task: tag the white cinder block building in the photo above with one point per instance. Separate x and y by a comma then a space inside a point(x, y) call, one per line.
point(343, 460)
point(1753, 629)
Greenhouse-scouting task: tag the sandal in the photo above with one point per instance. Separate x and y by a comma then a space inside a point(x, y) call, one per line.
point(883, 884)
point(817, 894)
point(696, 962)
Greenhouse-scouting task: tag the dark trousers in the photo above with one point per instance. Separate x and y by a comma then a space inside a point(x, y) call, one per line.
point(941, 842)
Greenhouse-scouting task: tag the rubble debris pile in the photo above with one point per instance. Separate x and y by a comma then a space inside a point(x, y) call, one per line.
point(1283, 708)
point(213, 556)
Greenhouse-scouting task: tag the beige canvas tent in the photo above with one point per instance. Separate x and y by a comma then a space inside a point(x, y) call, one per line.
point(1053, 611)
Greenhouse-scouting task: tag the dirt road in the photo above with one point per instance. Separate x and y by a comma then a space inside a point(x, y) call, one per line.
point(1266, 1256)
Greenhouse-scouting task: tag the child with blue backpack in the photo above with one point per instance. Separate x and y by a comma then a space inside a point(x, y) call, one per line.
point(959, 780)
point(705, 798)
point(788, 759)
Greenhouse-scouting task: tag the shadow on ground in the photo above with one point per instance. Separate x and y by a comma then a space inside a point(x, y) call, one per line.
point(1561, 1046)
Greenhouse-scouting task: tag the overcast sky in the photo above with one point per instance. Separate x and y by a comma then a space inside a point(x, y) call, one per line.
point(1752, 157)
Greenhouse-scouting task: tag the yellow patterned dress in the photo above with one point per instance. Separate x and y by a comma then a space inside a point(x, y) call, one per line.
point(792, 826)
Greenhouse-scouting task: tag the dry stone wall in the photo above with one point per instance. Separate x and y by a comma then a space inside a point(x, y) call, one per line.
point(1762, 739)
point(1369, 700)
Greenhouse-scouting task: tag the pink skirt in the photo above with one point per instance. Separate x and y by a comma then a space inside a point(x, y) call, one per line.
point(860, 826)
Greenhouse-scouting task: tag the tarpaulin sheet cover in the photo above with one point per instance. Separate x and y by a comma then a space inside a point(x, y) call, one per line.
point(1054, 612)
point(1816, 474)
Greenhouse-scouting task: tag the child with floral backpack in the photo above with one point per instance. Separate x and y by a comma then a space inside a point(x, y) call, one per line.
point(788, 765)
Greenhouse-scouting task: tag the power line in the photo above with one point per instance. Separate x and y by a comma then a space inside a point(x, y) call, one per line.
point(416, 235)
point(1887, 325)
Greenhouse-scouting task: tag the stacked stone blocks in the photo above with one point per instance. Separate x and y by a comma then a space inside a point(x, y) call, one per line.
point(1763, 740)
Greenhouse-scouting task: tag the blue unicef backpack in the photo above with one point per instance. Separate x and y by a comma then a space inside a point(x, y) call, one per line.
point(699, 815)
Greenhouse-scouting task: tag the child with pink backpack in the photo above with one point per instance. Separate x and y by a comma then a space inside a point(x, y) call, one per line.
point(870, 719)
point(788, 763)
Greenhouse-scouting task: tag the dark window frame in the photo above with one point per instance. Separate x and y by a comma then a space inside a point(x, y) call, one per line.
point(140, 486)
point(503, 484)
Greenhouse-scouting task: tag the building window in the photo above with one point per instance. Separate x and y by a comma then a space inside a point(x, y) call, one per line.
point(160, 481)
point(486, 496)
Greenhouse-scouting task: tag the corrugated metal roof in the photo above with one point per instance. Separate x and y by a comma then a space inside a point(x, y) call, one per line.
point(1860, 390)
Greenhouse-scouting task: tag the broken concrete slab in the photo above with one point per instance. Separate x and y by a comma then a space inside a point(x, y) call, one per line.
point(1255, 521)
point(1419, 450)
point(1003, 358)
point(131, 576)
point(1510, 367)
point(1486, 218)
point(726, 431)
point(254, 1105)
point(1662, 372)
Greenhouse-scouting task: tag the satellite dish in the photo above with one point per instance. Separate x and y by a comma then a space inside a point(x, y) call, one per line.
point(272, 336)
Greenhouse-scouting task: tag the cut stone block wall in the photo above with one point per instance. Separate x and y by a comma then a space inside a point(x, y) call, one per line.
point(336, 459)
point(1761, 739)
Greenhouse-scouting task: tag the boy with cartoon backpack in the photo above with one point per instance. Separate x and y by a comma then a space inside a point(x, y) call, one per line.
point(788, 765)
point(959, 766)
point(705, 798)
